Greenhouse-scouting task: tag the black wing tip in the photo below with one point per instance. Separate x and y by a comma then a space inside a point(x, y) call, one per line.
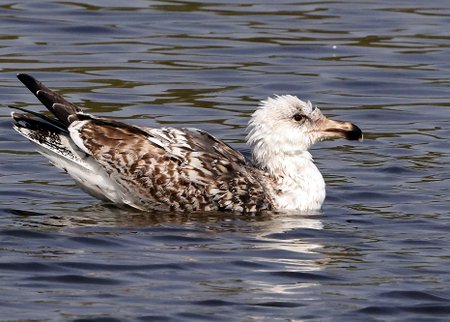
point(30, 82)
point(23, 77)
point(55, 103)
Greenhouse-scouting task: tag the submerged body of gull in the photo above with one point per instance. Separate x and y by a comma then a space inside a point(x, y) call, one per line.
point(187, 169)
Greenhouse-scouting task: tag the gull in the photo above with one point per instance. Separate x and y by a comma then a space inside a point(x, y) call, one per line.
point(186, 169)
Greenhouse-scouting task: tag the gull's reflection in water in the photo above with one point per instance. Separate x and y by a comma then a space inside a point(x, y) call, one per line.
point(281, 230)
point(233, 254)
point(105, 215)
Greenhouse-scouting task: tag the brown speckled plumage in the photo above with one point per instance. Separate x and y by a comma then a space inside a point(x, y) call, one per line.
point(176, 169)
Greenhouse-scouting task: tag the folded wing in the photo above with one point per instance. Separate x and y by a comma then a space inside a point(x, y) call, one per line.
point(169, 168)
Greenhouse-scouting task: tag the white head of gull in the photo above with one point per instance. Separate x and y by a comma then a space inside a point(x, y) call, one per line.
point(281, 131)
point(186, 169)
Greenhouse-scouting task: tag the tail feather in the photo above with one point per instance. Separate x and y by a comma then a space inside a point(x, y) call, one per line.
point(48, 136)
point(56, 145)
point(52, 137)
point(43, 118)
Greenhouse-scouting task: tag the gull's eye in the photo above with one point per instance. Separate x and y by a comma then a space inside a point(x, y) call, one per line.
point(299, 118)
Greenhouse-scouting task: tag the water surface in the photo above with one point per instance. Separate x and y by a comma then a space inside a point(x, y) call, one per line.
point(378, 250)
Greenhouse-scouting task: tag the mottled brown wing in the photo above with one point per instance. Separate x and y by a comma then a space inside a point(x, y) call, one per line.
point(168, 168)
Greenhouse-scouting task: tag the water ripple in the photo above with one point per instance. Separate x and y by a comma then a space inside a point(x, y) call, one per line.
point(73, 279)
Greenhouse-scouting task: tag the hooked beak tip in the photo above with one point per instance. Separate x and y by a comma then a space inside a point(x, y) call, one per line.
point(354, 134)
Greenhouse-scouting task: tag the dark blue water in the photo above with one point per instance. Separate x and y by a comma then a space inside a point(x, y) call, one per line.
point(378, 250)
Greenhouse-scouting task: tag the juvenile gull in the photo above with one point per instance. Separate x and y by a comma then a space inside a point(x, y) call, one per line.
point(186, 169)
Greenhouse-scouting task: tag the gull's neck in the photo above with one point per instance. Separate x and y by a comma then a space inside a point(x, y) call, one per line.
point(296, 181)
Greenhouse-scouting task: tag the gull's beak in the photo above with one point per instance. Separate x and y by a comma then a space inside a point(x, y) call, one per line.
point(330, 129)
